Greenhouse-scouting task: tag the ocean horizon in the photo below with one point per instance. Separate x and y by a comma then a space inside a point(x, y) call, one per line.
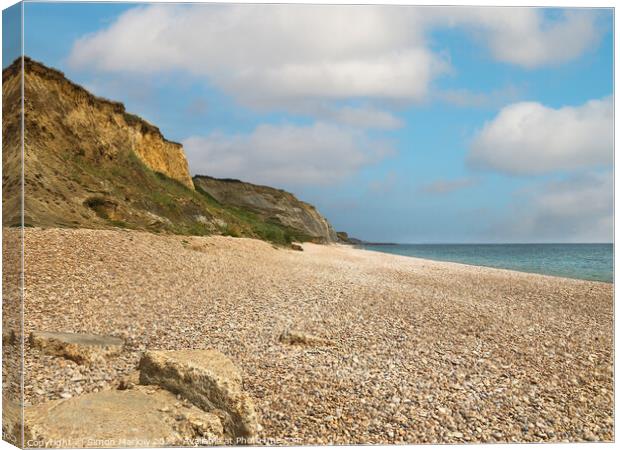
point(584, 261)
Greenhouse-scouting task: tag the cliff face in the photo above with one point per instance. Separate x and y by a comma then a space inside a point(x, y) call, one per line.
point(11, 148)
point(88, 163)
point(101, 126)
point(271, 204)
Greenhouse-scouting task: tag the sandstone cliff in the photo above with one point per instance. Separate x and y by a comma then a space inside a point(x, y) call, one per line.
point(271, 204)
point(73, 111)
point(88, 163)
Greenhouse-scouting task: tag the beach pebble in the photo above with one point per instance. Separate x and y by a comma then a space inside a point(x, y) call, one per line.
point(408, 350)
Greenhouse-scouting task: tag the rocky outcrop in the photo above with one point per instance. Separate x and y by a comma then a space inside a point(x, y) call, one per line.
point(344, 238)
point(271, 204)
point(78, 347)
point(88, 163)
point(47, 90)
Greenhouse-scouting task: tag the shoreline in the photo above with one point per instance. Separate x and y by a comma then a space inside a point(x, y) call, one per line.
point(481, 265)
point(410, 350)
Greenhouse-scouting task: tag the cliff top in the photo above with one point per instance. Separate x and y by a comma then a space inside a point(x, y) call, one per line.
point(32, 66)
point(256, 187)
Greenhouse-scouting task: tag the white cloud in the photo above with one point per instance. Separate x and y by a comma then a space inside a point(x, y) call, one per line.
point(577, 209)
point(285, 155)
point(271, 54)
point(525, 36)
point(268, 55)
point(448, 186)
point(529, 138)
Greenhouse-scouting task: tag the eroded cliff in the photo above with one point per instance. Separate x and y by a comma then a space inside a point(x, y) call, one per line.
point(61, 109)
point(88, 163)
point(271, 204)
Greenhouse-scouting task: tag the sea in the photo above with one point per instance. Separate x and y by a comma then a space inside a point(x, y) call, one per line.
point(581, 261)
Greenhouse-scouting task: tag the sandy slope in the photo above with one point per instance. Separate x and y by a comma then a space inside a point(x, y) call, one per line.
point(420, 351)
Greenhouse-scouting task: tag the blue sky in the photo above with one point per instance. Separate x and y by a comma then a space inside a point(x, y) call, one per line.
point(400, 124)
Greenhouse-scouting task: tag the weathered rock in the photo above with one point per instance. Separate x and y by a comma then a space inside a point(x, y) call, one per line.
point(271, 204)
point(79, 347)
point(344, 238)
point(293, 337)
point(11, 421)
point(140, 417)
point(129, 381)
point(108, 120)
point(208, 379)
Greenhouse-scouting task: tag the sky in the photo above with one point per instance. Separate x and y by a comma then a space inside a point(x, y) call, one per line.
point(401, 124)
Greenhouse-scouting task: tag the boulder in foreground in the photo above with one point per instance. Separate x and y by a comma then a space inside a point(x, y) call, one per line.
point(11, 421)
point(141, 417)
point(209, 380)
point(78, 347)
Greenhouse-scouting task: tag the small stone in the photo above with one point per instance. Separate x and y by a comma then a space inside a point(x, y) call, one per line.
point(293, 337)
point(589, 436)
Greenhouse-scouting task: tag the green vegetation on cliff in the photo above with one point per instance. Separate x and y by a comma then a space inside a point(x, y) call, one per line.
point(90, 164)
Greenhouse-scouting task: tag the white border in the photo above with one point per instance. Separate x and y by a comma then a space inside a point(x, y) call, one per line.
point(530, 3)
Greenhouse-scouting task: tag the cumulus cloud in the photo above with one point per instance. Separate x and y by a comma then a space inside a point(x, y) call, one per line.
point(285, 155)
point(576, 209)
point(530, 138)
point(440, 187)
point(539, 42)
point(268, 55)
point(271, 54)
point(526, 36)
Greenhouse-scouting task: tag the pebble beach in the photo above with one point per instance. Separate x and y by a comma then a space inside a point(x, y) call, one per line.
point(398, 349)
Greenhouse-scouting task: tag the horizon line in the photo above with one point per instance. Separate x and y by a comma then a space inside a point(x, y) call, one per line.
point(484, 243)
